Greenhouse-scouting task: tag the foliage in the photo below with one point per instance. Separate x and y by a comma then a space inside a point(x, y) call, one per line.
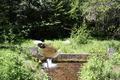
point(102, 17)
point(99, 67)
point(38, 18)
point(16, 66)
point(116, 59)
point(80, 35)
point(34, 17)
point(92, 46)
point(8, 34)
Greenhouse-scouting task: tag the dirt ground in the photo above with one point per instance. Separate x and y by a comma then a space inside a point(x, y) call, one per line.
point(65, 71)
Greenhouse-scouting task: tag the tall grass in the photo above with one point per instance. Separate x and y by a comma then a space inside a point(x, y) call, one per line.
point(101, 67)
point(16, 65)
point(91, 46)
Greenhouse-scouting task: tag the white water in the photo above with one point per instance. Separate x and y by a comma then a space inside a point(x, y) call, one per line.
point(49, 64)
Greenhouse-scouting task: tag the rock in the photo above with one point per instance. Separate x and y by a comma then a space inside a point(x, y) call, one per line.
point(67, 42)
point(37, 41)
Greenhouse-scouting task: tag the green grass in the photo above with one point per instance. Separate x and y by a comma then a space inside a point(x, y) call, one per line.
point(27, 43)
point(91, 46)
point(10, 56)
point(16, 64)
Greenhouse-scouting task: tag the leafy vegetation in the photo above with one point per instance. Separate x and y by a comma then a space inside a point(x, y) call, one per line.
point(80, 35)
point(102, 17)
point(38, 18)
point(101, 67)
point(92, 45)
point(16, 65)
point(90, 26)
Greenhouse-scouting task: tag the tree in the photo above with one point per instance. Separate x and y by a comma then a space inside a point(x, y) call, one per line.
point(102, 17)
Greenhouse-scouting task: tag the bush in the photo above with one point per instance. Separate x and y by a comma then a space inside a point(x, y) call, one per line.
point(10, 33)
point(116, 59)
point(99, 67)
point(38, 18)
point(80, 35)
point(14, 66)
point(102, 17)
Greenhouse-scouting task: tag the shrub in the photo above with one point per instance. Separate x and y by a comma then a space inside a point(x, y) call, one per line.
point(14, 66)
point(102, 17)
point(36, 18)
point(80, 35)
point(10, 33)
point(99, 67)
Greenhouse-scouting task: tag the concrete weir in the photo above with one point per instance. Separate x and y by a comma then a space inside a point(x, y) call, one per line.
point(68, 66)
